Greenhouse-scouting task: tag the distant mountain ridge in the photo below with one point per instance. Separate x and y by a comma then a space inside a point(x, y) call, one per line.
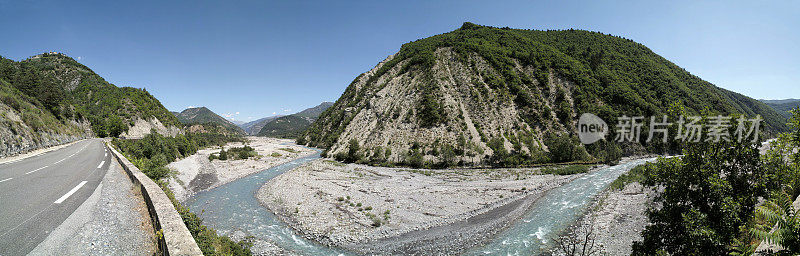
point(203, 115)
point(293, 125)
point(783, 106)
point(253, 127)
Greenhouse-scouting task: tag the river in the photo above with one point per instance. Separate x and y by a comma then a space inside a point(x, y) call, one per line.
point(233, 207)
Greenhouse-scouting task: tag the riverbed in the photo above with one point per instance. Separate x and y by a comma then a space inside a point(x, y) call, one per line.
point(233, 210)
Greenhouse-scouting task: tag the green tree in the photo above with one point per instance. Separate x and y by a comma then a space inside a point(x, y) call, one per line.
point(707, 195)
point(353, 152)
point(116, 126)
point(564, 148)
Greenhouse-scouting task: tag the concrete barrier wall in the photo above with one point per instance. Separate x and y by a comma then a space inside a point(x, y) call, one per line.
point(176, 238)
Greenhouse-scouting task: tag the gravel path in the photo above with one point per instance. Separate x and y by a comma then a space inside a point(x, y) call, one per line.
point(112, 221)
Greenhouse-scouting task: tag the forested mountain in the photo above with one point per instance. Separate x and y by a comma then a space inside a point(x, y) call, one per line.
point(293, 125)
point(202, 115)
point(484, 95)
point(285, 127)
point(783, 106)
point(253, 127)
point(51, 93)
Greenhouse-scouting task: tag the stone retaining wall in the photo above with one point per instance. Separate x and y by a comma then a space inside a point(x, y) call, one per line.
point(175, 238)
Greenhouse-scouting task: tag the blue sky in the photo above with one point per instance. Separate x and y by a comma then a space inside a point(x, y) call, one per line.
point(263, 57)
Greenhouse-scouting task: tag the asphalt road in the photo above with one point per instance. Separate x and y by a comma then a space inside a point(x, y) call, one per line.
point(38, 193)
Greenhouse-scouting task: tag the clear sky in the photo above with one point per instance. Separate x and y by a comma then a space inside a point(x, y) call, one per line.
point(256, 58)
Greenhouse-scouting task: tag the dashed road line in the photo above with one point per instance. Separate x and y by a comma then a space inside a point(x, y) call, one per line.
point(75, 189)
point(101, 164)
point(36, 170)
point(6, 179)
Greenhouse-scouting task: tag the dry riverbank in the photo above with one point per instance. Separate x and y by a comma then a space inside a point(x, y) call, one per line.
point(377, 210)
point(619, 217)
point(196, 173)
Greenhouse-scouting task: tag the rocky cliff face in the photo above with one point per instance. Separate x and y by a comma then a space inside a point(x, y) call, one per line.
point(142, 127)
point(390, 119)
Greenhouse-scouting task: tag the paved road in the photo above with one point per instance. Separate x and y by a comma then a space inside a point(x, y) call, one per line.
point(38, 193)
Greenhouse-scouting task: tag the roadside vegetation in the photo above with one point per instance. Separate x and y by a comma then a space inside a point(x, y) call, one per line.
point(152, 153)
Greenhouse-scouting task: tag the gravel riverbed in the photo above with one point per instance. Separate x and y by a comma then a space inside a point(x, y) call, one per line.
point(196, 173)
point(378, 210)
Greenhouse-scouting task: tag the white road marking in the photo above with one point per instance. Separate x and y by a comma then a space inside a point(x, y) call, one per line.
point(6, 179)
point(101, 164)
point(35, 170)
point(60, 161)
point(60, 200)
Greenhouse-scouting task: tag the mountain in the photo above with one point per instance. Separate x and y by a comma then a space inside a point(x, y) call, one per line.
point(783, 106)
point(50, 98)
point(484, 95)
point(285, 127)
point(293, 125)
point(203, 115)
point(253, 127)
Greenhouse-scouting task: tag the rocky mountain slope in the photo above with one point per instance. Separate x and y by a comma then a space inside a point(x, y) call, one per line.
point(293, 125)
point(481, 95)
point(50, 99)
point(783, 106)
point(204, 116)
